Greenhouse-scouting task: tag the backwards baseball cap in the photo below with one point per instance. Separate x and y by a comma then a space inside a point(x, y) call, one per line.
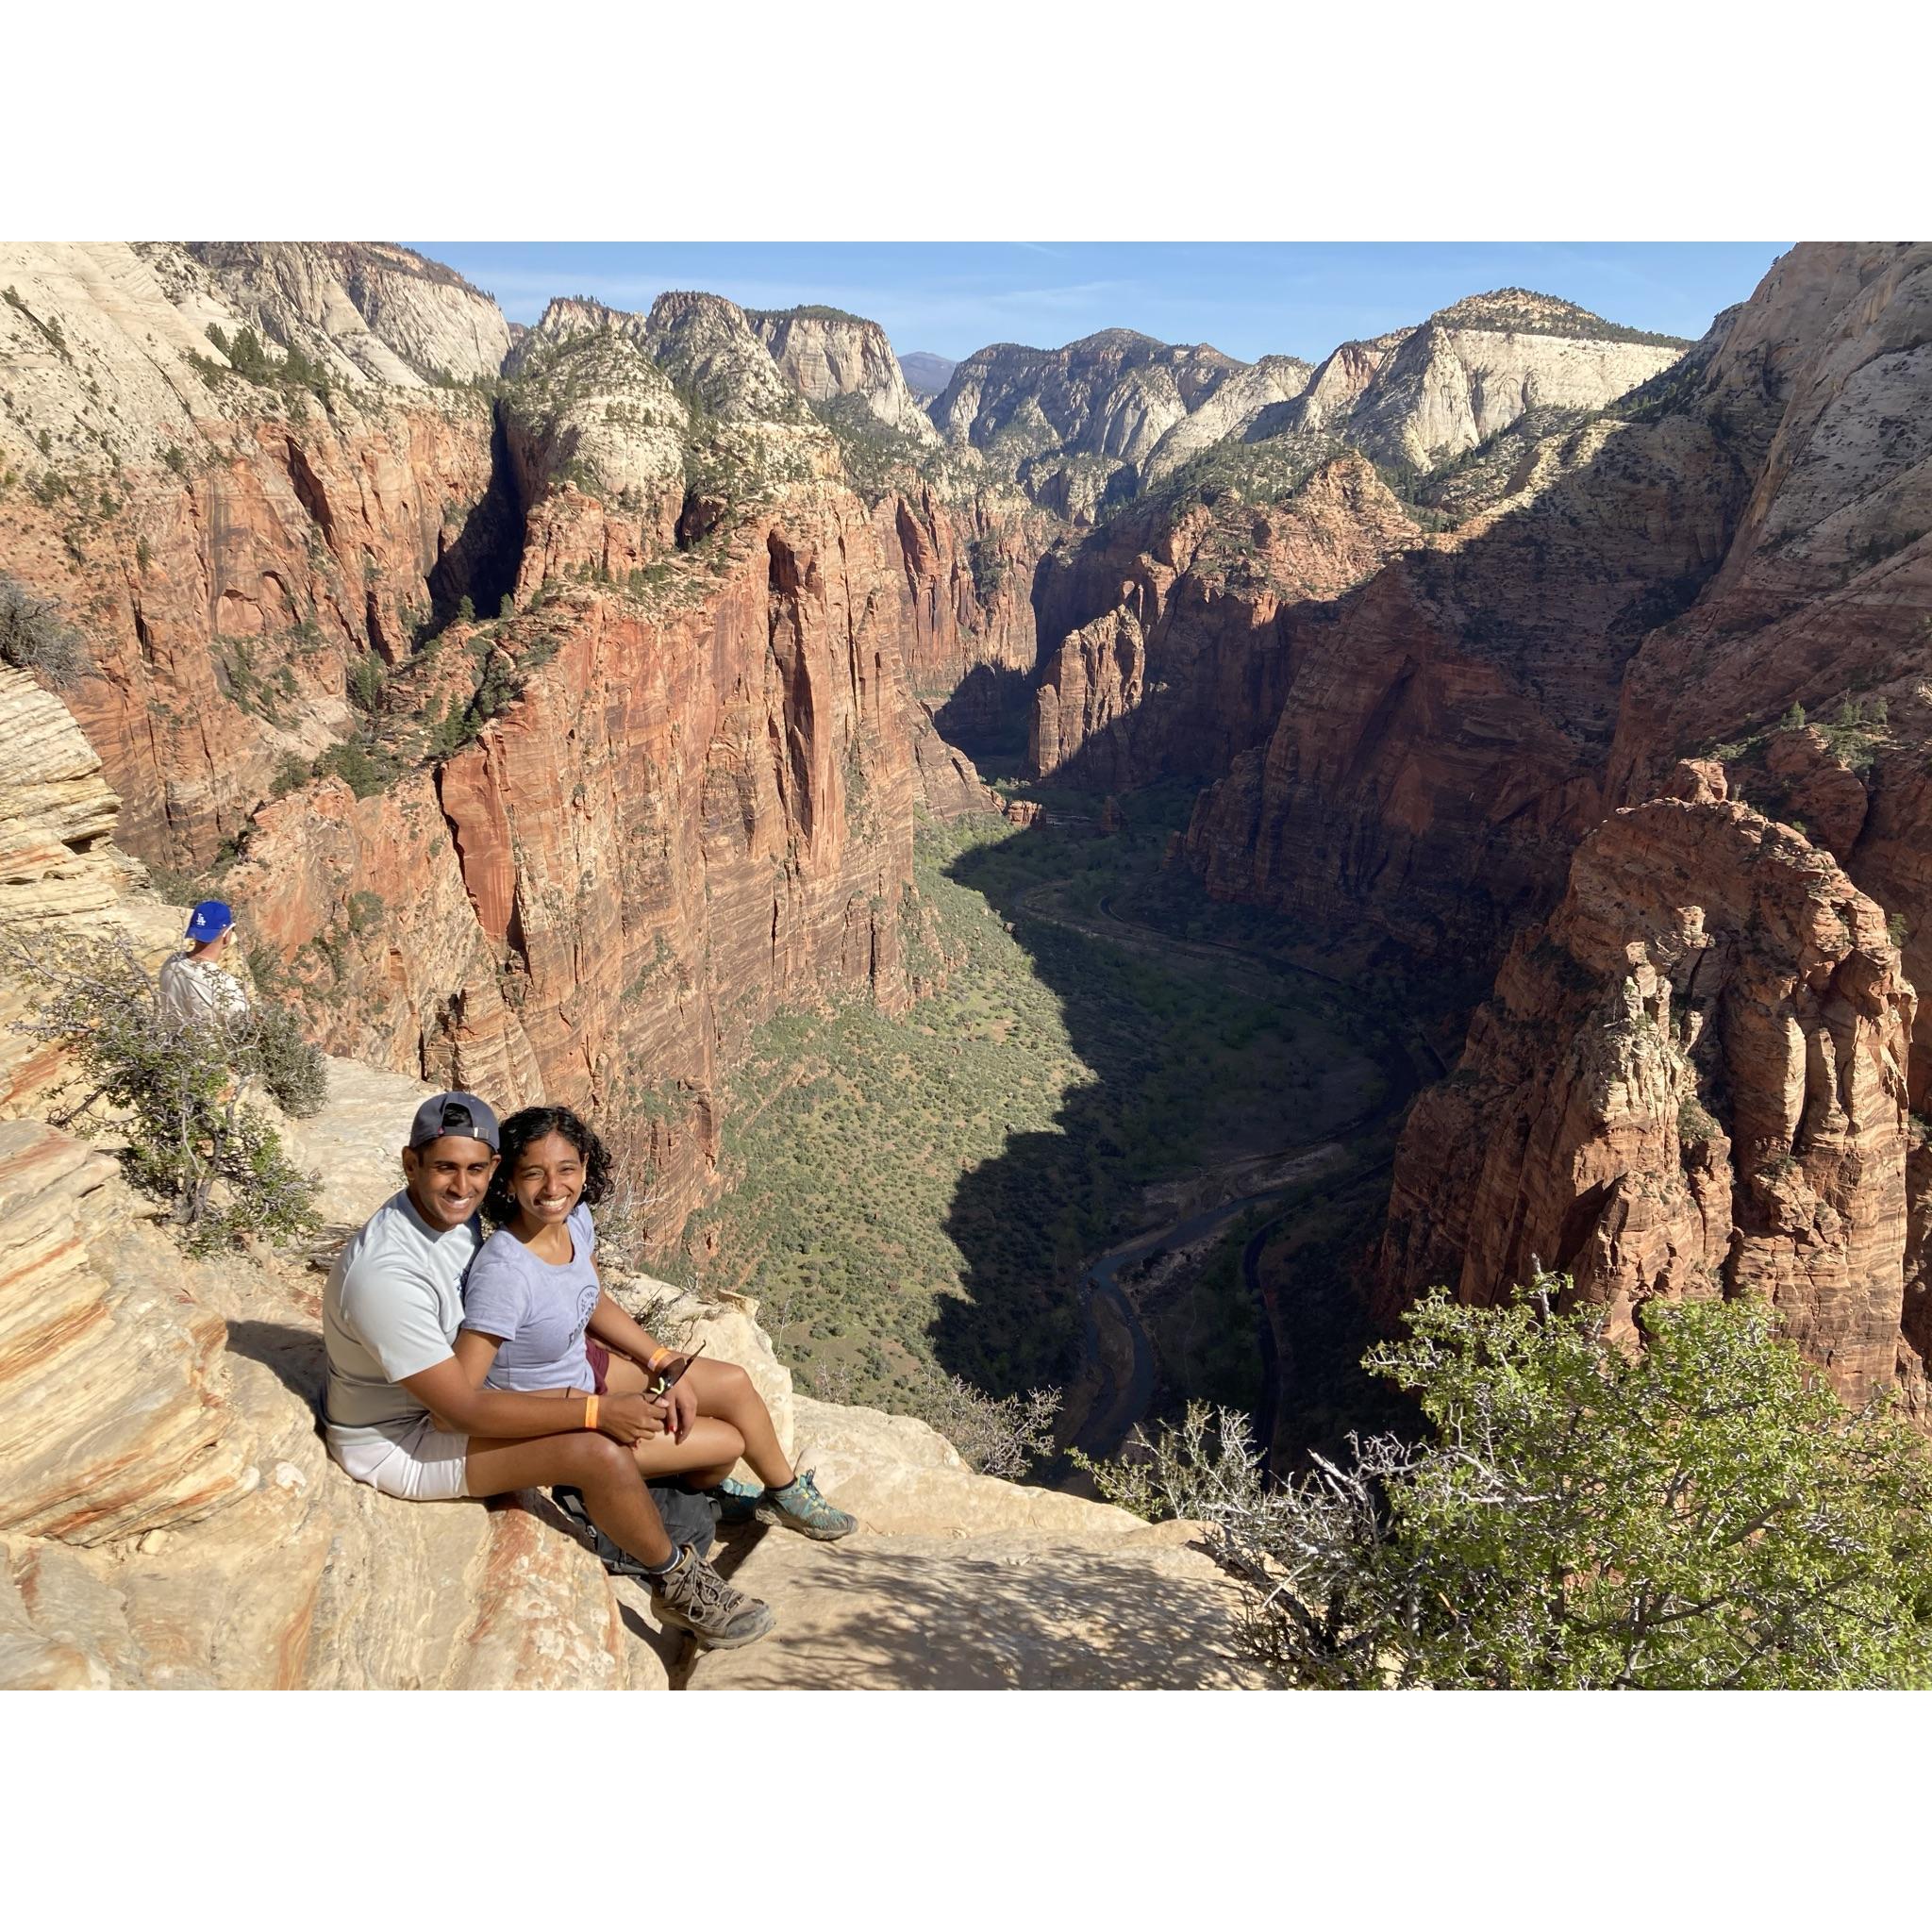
point(454, 1113)
point(209, 921)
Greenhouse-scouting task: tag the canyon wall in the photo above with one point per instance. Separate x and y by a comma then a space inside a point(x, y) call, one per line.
point(1706, 1070)
point(544, 744)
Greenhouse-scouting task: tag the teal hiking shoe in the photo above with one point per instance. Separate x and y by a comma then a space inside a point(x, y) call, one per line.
point(732, 1501)
point(798, 1505)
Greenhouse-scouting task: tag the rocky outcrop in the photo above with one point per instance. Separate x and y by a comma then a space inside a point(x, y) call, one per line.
point(1426, 395)
point(586, 845)
point(169, 1518)
point(1065, 423)
point(1202, 619)
point(1441, 746)
point(1691, 1082)
point(232, 550)
point(961, 1582)
point(362, 311)
point(825, 353)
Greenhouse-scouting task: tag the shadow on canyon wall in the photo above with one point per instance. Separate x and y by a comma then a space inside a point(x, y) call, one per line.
point(1502, 660)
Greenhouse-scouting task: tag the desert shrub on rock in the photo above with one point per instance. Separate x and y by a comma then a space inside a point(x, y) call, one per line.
point(1002, 1436)
point(1699, 1513)
point(35, 637)
point(175, 1095)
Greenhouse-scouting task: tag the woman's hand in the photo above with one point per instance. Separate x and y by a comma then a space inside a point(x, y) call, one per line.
point(683, 1400)
point(632, 1418)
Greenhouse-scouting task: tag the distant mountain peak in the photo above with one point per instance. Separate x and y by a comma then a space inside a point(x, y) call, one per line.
point(1524, 311)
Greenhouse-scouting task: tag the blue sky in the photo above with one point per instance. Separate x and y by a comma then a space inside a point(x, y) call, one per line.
point(1247, 298)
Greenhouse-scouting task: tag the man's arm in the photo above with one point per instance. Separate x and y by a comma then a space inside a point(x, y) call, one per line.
point(446, 1391)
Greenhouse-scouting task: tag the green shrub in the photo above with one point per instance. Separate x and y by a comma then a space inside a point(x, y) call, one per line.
point(365, 769)
point(1702, 1514)
point(34, 637)
point(177, 1095)
point(366, 683)
point(291, 1066)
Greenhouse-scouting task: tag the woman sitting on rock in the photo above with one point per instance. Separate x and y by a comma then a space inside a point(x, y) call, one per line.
point(536, 1319)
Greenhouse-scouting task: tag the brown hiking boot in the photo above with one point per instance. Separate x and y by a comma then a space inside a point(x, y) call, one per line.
point(695, 1597)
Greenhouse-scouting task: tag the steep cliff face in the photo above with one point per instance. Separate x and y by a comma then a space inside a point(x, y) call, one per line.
point(1690, 1082)
point(232, 549)
point(1428, 394)
point(1802, 668)
point(1067, 423)
point(578, 848)
point(679, 823)
point(1441, 744)
point(825, 353)
point(364, 311)
point(1201, 620)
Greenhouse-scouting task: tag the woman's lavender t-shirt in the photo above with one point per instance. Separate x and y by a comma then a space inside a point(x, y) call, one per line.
point(541, 1312)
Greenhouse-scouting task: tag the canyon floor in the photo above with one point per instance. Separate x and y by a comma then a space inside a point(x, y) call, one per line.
point(1102, 1061)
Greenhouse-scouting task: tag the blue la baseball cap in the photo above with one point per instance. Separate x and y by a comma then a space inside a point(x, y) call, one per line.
point(209, 920)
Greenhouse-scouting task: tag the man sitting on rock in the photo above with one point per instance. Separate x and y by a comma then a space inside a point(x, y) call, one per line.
point(195, 990)
point(402, 1416)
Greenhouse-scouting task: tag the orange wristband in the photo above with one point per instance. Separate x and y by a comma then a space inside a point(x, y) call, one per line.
point(659, 1357)
point(590, 1411)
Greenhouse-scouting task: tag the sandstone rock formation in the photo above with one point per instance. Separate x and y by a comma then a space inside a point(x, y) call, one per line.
point(1472, 369)
point(1801, 672)
point(1066, 423)
point(230, 549)
point(685, 758)
point(1690, 1082)
point(169, 1518)
point(363, 310)
point(1202, 621)
point(826, 353)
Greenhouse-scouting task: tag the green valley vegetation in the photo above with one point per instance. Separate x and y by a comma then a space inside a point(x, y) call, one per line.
point(922, 1192)
point(1698, 1513)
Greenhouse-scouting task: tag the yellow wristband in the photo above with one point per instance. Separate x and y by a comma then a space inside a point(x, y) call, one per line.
point(659, 1357)
point(590, 1411)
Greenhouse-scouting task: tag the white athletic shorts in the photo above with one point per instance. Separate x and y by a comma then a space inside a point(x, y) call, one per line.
point(415, 1460)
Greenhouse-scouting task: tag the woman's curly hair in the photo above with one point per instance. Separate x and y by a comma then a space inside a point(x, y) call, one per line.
point(533, 1123)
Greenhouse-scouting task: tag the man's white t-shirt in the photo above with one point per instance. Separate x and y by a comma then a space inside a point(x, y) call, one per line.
point(195, 992)
point(392, 1306)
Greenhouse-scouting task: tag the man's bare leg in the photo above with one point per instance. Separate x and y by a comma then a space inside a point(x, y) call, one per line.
point(613, 1492)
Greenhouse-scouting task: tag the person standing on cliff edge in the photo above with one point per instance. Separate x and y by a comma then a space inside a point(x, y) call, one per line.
point(402, 1416)
point(195, 989)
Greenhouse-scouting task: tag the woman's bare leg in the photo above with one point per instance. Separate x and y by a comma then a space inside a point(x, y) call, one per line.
point(726, 1392)
point(707, 1454)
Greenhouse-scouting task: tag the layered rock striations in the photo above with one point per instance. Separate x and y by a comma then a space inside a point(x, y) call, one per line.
point(826, 354)
point(196, 1535)
point(234, 550)
point(575, 848)
point(1422, 396)
point(364, 311)
point(1740, 1123)
point(1690, 1082)
point(1201, 619)
point(1441, 746)
point(1075, 425)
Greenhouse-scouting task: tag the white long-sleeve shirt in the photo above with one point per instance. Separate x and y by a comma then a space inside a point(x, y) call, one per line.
point(195, 992)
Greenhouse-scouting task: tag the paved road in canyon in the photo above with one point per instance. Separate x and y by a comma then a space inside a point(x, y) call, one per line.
point(1118, 1402)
